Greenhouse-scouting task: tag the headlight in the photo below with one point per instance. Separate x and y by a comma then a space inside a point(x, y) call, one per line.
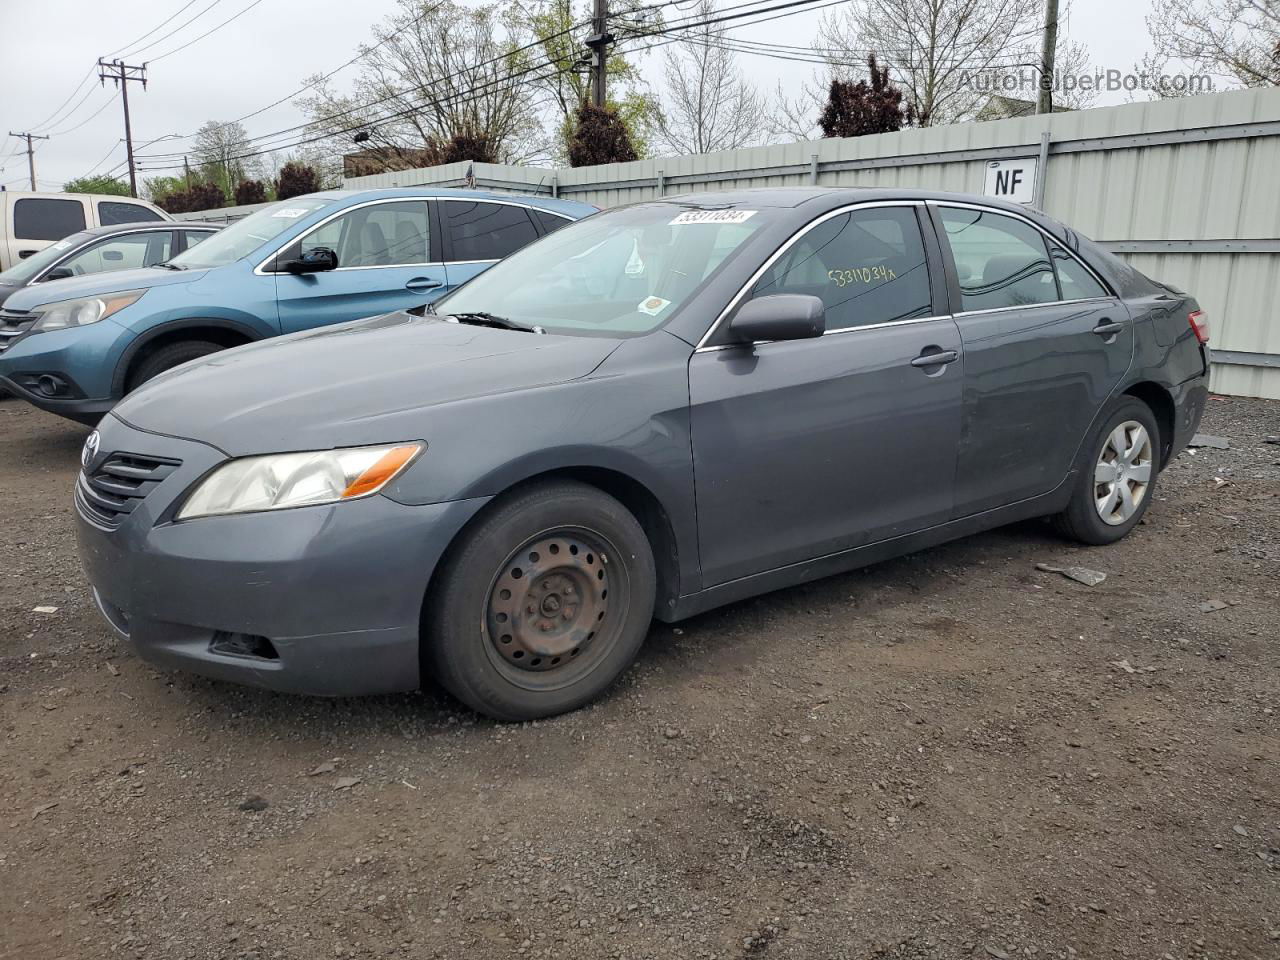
point(79, 313)
point(297, 479)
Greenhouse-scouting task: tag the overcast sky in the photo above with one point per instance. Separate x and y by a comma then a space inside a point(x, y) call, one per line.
point(49, 46)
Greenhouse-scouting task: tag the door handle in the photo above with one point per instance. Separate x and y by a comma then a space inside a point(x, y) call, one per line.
point(422, 283)
point(23, 254)
point(1106, 328)
point(939, 359)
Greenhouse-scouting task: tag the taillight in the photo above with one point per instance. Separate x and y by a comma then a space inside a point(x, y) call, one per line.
point(1199, 325)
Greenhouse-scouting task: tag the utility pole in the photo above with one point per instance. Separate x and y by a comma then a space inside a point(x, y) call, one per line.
point(31, 154)
point(1048, 50)
point(599, 43)
point(186, 171)
point(121, 73)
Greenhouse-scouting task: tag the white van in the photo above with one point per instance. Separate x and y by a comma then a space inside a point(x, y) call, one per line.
point(29, 222)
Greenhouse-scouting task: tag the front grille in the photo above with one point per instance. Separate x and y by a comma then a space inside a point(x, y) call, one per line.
point(118, 484)
point(12, 326)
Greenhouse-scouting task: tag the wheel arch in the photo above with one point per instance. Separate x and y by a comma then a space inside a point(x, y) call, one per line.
point(1160, 401)
point(634, 495)
point(228, 333)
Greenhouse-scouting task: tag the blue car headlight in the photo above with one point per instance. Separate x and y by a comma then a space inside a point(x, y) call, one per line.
point(65, 314)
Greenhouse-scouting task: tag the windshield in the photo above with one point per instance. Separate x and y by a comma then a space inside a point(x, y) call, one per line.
point(247, 235)
point(21, 272)
point(616, 274)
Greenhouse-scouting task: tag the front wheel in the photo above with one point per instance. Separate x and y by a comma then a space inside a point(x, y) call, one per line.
point(1117, 476)
point(543, 605)
point(167, 357)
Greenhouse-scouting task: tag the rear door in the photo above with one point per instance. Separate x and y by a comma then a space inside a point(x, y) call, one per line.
point(479, 233)
point(387, 260)
point(811, 447)
point(1045, 343)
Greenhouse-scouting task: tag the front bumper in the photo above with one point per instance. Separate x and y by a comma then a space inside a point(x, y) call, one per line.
point(81, 360)
point(335, 591)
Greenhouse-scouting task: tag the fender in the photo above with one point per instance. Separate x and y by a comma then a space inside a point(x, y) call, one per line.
point(169, 326)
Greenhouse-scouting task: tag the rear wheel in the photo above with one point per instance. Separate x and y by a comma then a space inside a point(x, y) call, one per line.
point(543, 605)
point(1116, 477)
point(167, 357)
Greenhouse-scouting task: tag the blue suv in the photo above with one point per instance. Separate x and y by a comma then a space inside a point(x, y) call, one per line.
point(75, 347)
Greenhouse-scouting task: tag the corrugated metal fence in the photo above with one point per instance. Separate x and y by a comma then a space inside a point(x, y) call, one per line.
point(1187, 190)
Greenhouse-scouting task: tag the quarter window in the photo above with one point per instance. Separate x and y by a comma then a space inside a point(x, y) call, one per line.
point(867, 266)
point(1000, 261)
point(487, 231)
point(1076, 282)
point(114, 211)
point(549, 221)
point(36, 218)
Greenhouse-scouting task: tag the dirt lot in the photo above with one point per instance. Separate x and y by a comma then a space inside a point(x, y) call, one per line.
point(949, 755)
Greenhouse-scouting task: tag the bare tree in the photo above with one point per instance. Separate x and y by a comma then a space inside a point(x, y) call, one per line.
point(935, 47)
point(708, 105)
point(437, 71)
point(219, 152)
point(1235, 40)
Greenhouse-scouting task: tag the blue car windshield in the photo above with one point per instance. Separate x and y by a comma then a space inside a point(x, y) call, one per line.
point(247, 235)
point(621, 273)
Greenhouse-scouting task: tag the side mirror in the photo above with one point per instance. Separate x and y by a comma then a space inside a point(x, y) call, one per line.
point(315, 260)
point(58, 273)
point(782, 316)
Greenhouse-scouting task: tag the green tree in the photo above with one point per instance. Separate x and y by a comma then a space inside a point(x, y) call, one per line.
point(568, 86)
point(99, 184)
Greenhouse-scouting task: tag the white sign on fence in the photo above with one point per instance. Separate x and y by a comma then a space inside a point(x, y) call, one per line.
point(1011, 180)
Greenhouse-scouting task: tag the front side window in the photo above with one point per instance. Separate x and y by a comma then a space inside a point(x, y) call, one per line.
point(121, 253)
point(1000, 261)
point(486, 231)
point(196, 236)
point(1075, 282)
point(24, 271)
point(378, 235)
point(115, 211)
point(867, 266)
point(245, 236)
point(616, 274)
point(36, 218)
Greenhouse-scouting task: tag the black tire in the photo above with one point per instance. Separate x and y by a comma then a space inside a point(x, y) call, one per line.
point(1082, 519)
point(575, 544)
point(168, 357)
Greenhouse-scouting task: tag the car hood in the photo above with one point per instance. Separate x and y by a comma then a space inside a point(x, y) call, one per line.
point(350, 384)
point(97, 284)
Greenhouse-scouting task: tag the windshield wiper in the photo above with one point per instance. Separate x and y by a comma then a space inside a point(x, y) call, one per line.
point(481, 318)
point(170, 266)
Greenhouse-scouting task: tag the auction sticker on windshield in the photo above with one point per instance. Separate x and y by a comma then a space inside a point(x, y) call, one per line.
point(653, 306)
point(291, 213)
point(713, 216)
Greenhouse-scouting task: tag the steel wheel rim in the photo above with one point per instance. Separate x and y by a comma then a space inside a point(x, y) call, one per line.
point(554, 608)
point(1122, 474)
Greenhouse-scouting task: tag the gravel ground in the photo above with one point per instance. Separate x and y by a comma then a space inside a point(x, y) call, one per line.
point(953, 754)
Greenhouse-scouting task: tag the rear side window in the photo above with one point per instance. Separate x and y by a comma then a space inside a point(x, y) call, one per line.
point(36, 218)
point(1001, 261)
point(486, 231)
point(1076, 282)
point(116, 211)
point(549, 221)
point(867, 266)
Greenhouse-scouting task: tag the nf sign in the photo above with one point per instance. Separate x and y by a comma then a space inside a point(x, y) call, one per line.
point(1011, 180)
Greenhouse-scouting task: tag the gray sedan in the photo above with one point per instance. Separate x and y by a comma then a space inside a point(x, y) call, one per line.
point(649, 413)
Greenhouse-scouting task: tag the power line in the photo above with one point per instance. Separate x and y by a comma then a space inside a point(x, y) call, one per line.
point(186, 23)
point(261, 139)
point(162, 23)
point(106, 103)
point(184, 46)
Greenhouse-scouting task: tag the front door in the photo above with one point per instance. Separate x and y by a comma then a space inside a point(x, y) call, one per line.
point(811, 447)
point(387, 261)
point(1045, 343)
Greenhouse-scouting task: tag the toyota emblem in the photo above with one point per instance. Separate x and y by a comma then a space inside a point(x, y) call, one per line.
point(90, 449)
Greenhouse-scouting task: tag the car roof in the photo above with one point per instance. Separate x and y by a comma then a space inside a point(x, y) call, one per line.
point(827, 196)
point(553, 204)
point(113, 228)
